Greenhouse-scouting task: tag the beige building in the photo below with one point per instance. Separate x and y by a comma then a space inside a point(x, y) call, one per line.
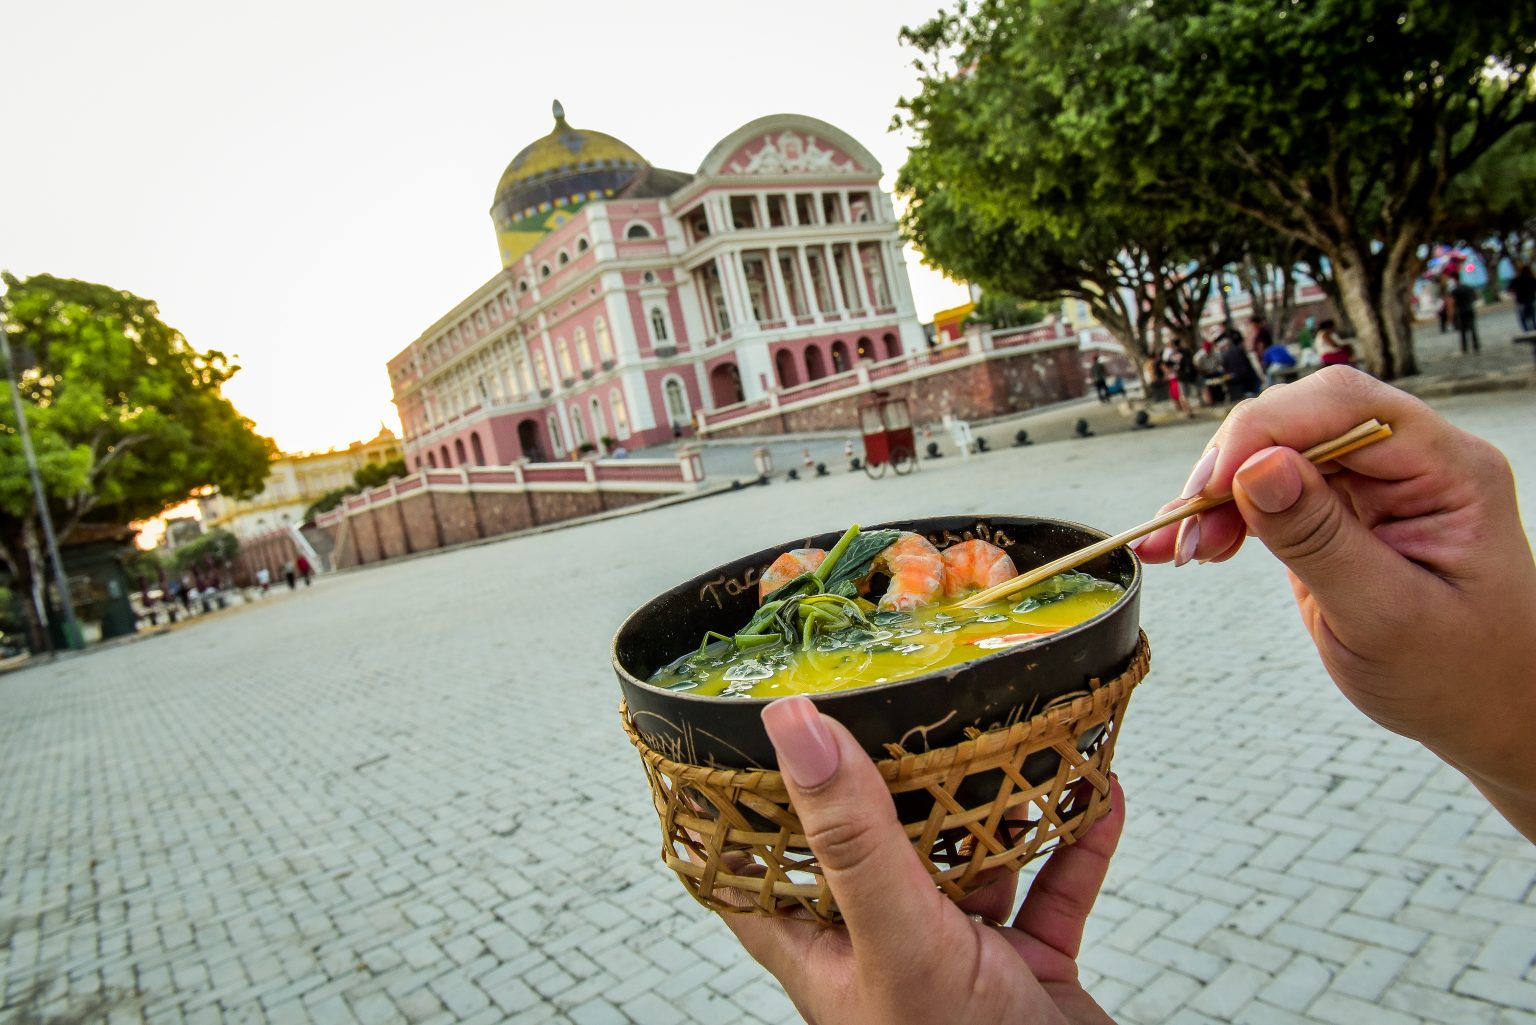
point(294, 483)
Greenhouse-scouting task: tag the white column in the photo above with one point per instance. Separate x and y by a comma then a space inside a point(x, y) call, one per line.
point(723, 270)
point(786, 312)
point(883, 270)
point(842, 198)
point(812, 304)
point(901, 287)
point(556, 382)
point(739, 279)
point(834, 279)
point(856, 264)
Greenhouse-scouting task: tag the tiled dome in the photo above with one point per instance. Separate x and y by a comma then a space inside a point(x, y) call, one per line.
point(558, 173)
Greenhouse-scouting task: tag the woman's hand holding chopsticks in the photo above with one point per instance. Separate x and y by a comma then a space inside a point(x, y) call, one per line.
point(1409, 564)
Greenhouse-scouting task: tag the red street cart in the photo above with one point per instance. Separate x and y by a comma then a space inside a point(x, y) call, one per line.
point(886, 424)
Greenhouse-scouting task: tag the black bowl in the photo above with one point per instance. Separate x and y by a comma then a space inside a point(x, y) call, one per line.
point(919, 713)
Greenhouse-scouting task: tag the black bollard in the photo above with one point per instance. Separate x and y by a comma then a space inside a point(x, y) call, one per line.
point(1082, 429)
point(1021, 438)
point(933, 450)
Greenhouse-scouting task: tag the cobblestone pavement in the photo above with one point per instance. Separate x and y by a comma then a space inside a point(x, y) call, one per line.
point(402, 795)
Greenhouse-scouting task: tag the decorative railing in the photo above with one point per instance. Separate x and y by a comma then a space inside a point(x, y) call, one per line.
point(975, 347)
point(661, 476)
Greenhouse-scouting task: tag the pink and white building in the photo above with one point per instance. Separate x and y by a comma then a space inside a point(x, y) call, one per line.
point(632, 297)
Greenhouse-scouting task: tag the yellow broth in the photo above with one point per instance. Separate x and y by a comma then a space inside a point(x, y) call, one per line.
point(897, 645)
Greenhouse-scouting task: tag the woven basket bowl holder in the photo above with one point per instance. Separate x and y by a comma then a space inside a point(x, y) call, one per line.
point(733, 838)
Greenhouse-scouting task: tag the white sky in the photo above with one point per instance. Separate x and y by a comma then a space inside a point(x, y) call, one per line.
point(306, 185)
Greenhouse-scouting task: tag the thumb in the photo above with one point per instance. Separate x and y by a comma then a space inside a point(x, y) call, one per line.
point(1287, 504)
point(887, 897)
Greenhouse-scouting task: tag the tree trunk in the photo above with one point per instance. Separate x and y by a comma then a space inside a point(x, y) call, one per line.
point(1360, 301)
point(1397, 308)
point(1287, 301)
point(1330, 286)
point(22, 558)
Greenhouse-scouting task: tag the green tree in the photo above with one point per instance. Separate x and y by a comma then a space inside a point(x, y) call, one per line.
point(126, 416)
point(1338, 123)
point(374, 474)
point(1003, 311)
point(998, 196)
point(1492, 207)
point(217, 544)
point(363, 478)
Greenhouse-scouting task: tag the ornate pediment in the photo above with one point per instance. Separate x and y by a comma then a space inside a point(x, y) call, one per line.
point(789, 152)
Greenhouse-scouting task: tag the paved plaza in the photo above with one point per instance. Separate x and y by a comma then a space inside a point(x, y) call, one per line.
point(403, 796)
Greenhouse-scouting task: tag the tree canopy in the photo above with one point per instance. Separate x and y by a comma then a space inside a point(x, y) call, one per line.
point(1339, 124)
point(363, 478)
point(126, 416)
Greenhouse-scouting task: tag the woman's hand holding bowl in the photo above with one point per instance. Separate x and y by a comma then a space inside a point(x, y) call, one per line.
point(909, 955)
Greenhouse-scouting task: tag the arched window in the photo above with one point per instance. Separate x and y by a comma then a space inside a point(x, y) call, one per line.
point(639, 229)
point(620, 413)
point(581, 244)
point(677, 401)
point(476, 448)
point(839, 356)
point(599, 427)
point(522, 286)
point(658, 325)
point(432, 460)
point(446, 460)
point(604, 340)
point(541, 368)
point(578, 426)
point(583, 350)
point(458, 450)
point(648, 278)
point(524, 376)
point(784, 363)
point(556, 442)
point(544, 270)
point(563, 259)
point(563, 359)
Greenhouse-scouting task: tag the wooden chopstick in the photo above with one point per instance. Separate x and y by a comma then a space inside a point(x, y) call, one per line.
point(1367, 433)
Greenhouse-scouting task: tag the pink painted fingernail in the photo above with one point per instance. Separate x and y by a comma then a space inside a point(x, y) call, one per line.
point(1271, 481)
point(806, 750)
point(1200, 476)
point(1136, 543)
point(1189, 540)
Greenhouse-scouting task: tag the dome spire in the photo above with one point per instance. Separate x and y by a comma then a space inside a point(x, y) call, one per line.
point(559, 113)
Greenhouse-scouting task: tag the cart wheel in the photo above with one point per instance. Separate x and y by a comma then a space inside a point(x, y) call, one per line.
point(874, 470)
point(903, 462)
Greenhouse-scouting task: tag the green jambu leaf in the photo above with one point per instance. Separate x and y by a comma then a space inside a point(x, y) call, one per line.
point(855, 564)
point(805, 583)
point(787, 620)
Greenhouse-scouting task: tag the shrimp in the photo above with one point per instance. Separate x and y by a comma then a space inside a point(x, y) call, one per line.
point(786, 567)
point(973, 565)
point(916, 570)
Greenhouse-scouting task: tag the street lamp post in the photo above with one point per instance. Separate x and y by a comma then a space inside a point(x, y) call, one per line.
point(72, 636)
